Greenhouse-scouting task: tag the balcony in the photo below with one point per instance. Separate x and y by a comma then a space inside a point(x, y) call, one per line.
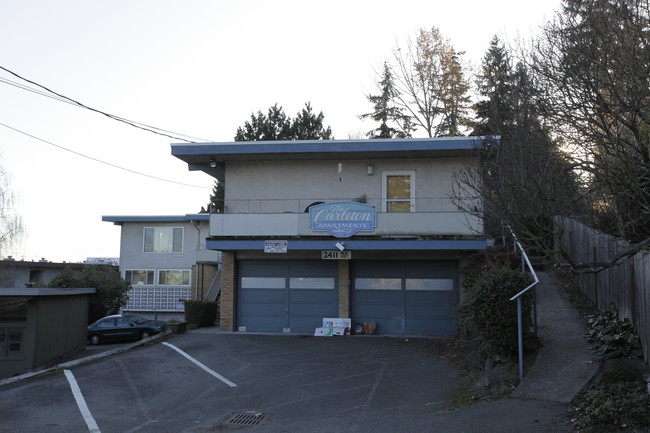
point(290, 218)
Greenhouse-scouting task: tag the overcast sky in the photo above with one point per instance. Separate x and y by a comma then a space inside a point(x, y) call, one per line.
point(195, 67)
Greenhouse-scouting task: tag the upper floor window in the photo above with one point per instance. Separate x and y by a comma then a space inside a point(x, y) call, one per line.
point(163, 239)
point(398, 190)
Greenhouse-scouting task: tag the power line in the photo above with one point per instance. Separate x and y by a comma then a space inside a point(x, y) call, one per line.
point(99, 160)
point(62, 98)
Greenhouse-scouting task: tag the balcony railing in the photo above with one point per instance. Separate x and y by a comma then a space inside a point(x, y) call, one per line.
point(435, 216)
point(300, 205)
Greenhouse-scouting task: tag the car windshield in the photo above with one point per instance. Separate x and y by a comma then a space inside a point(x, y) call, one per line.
point(137, 319)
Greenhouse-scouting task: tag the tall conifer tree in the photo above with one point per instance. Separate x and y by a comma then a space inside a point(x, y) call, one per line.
point(392, 121)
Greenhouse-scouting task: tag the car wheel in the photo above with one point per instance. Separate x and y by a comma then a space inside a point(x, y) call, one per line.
point(145, 334)
point(94, 339)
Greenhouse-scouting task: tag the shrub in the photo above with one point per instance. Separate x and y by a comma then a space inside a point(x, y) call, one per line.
point(203, 313)
point(613, 338)
point(618, 403)
point(488, 313)
point(111, 292)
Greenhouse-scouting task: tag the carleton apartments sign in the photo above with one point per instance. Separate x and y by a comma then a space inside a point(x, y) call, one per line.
point(342, 218)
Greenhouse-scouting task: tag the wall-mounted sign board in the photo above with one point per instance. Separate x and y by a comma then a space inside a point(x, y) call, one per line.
point(275, 246)
point(342, 219)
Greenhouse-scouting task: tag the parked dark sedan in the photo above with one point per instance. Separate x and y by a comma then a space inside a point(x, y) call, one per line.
point(123, 327)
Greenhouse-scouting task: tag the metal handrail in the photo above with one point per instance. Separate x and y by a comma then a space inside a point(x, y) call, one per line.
point(300, 204)
point(520, 334)
point(215, 286)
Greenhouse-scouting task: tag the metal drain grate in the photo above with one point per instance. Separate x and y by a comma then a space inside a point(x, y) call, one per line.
point(246, 418)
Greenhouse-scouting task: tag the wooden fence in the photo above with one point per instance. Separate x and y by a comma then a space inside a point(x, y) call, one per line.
point(624, 288)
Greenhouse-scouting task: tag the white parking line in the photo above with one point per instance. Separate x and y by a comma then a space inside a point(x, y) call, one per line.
point(81, 402)
point(213, 373)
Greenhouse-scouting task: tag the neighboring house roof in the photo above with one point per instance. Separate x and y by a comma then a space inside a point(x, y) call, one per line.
point(209, 157)
point(35, 291)
point(40, 265)
point(119, 220)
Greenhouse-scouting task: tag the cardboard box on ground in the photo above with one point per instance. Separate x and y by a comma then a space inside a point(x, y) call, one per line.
point(343, 326)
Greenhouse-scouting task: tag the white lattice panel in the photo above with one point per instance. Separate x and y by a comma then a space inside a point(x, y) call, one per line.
point(158, 298)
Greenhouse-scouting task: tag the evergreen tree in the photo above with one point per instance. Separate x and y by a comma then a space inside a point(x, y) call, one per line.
point(309, 126)
point(385, 110)
point(525, 180)
point(495, 86)
point(276, 125)
point(216, 204)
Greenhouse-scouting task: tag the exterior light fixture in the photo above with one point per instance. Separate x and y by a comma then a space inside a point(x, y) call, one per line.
point(213, 163)
point(371, 169)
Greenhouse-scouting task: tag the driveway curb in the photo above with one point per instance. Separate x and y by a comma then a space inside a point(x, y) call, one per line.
point(84, 360)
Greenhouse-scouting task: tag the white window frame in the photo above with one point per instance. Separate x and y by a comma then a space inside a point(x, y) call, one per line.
point(189, 271)
point(384, 188)
point(154, 228)
point(153, 280)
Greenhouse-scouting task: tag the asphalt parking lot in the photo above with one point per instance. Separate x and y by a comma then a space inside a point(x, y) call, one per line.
point(200, 382)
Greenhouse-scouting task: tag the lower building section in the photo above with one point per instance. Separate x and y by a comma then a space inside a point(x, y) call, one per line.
point(403, 297)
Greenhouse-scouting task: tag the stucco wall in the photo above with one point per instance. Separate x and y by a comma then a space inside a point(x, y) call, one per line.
point(290, 186)
point(132, 255)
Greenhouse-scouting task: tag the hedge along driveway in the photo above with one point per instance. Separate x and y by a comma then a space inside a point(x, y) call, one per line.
point(201, 313)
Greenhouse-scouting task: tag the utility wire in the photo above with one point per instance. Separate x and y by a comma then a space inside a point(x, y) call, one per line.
point(63, 98)
point(99, 160)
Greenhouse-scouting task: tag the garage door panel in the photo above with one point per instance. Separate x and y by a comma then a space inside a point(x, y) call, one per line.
point(369, 269)
point(386, 325)
point(279, 294)
point(312, 296)
point(435, 327)
point(306, 324)
point(263, 323)
point(430, 312)
point(422, 300)
point(263, 269)
point(444, 298)
point(270, 309)
point(376, 312)
point(312, 269)
point(263, 296)
point(379, 297)
point(420, 269)
point(318, 310)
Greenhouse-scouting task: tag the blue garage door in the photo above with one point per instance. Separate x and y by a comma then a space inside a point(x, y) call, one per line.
point(286, 296)
point(407, 298)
